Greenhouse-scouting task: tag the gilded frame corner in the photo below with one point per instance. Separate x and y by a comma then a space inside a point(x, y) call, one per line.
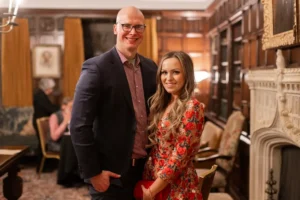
point(287, 38)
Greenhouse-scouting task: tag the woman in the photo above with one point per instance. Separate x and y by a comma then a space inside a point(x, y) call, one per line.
point(176, 121)
point(58, 123)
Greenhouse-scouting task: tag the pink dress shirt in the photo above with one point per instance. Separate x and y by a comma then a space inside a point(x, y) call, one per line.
point(135, 81)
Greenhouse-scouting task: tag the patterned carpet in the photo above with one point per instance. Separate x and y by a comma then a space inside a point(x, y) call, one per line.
point(46, 188)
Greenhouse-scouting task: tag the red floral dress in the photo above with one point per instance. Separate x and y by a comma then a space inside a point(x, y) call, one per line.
point(172, 159)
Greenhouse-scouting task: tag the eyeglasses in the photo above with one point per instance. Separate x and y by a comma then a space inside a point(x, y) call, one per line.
point(138, 28)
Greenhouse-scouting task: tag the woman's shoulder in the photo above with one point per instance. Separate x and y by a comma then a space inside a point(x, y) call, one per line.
point(193, 103)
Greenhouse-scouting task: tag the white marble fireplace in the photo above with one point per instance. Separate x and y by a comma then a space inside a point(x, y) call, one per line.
point(275, 122)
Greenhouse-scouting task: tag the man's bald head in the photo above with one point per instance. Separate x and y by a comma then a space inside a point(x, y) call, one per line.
point(128, 40)
point(127, 11)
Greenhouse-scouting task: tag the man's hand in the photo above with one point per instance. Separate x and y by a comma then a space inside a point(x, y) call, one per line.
point(101, 181)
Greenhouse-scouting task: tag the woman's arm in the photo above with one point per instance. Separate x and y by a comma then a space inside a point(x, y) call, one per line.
point(56, 130)
point(155, 188)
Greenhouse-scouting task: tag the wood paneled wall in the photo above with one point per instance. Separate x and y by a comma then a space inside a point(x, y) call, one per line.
point(235, 32)
point(177, 30)
point(185, 31)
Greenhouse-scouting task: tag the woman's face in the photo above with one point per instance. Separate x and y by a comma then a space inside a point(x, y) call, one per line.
point(68, 107)
point(172, 76)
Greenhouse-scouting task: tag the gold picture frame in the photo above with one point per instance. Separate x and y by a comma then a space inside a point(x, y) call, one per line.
point(281, 25)
point(46, 61)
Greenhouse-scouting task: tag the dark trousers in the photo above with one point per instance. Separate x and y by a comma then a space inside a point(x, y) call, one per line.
point(124, 190)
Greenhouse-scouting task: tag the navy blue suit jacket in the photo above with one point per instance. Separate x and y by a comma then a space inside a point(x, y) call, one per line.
point(103, 120)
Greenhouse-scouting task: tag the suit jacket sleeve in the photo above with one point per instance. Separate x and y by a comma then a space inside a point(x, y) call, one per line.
point(83, 115)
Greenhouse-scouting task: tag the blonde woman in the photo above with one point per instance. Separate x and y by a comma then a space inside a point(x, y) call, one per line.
point(176, 121)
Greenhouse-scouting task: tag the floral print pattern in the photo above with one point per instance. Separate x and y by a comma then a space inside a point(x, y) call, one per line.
point(172, 158)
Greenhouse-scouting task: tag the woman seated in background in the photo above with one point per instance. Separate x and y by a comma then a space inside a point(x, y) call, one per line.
point(58, 123)
point(176, 120)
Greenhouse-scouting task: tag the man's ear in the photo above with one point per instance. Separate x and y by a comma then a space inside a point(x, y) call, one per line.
point(115, 29)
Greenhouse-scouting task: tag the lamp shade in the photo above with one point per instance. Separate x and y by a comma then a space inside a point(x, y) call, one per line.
point(201, 75)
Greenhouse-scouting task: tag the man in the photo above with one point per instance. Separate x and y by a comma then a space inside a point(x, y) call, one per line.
point(109, 116)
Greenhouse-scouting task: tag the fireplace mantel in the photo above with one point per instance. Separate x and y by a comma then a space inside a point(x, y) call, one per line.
point(274, 123)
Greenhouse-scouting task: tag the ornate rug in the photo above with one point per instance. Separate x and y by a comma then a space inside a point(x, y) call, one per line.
point(45, 188)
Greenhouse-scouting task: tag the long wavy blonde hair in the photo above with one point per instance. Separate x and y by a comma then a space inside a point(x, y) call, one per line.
point(160, 100)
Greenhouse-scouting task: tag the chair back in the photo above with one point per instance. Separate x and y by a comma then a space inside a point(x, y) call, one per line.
point(212, 135)
point(43, 129)
point(206, 180)
point(230, 140)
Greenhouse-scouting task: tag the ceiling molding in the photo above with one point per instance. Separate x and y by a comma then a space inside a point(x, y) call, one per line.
point(113, 4)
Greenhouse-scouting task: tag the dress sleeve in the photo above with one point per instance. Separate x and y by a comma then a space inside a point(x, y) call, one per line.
point(187, 142)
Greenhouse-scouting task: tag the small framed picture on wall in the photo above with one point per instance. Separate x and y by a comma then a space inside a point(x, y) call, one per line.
point(46, 61)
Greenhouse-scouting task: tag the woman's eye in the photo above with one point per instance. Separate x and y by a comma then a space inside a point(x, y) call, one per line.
point(176, 72)
point(163, 72)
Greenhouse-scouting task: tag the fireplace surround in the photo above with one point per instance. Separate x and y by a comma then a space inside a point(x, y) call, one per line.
point(274, 123)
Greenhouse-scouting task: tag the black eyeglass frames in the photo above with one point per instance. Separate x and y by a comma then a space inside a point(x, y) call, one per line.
point(138, 28)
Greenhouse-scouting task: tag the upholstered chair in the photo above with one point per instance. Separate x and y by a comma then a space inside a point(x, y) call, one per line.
point(206, 180)
point(43, 127)
point(224, 157)
point(219, 196)
point(211, 136)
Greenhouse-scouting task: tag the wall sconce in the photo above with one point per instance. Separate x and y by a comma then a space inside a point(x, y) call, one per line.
point(201, 75)
point(10, 16)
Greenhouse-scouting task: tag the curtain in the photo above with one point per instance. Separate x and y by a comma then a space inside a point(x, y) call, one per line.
point(16, 66)
point(73, 54)
point(149, 48)
point(289, 180)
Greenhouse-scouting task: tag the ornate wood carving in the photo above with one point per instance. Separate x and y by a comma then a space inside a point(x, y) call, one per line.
point(47, 24)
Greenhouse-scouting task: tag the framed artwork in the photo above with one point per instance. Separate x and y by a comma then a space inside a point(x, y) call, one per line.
point(102, 36)
point(281, 23)
point(46, 61)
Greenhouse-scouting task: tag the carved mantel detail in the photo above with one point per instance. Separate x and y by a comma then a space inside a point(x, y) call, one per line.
point(275, 121)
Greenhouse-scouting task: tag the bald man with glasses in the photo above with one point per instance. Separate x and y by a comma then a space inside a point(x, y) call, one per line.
point(109, 117)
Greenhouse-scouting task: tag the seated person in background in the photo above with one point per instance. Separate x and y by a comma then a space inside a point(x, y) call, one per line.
point(42, 105)
point(58, 123)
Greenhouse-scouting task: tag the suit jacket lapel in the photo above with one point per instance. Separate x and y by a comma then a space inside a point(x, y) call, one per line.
point(146, 81)
point(122, 79)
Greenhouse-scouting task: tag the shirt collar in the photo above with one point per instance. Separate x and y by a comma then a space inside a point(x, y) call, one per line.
point(124, 59)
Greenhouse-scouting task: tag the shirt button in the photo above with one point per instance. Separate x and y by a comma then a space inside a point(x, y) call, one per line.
point(137, 86)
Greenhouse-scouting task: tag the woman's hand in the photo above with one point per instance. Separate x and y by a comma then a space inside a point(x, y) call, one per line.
point(147, 194)
point(67, 114)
